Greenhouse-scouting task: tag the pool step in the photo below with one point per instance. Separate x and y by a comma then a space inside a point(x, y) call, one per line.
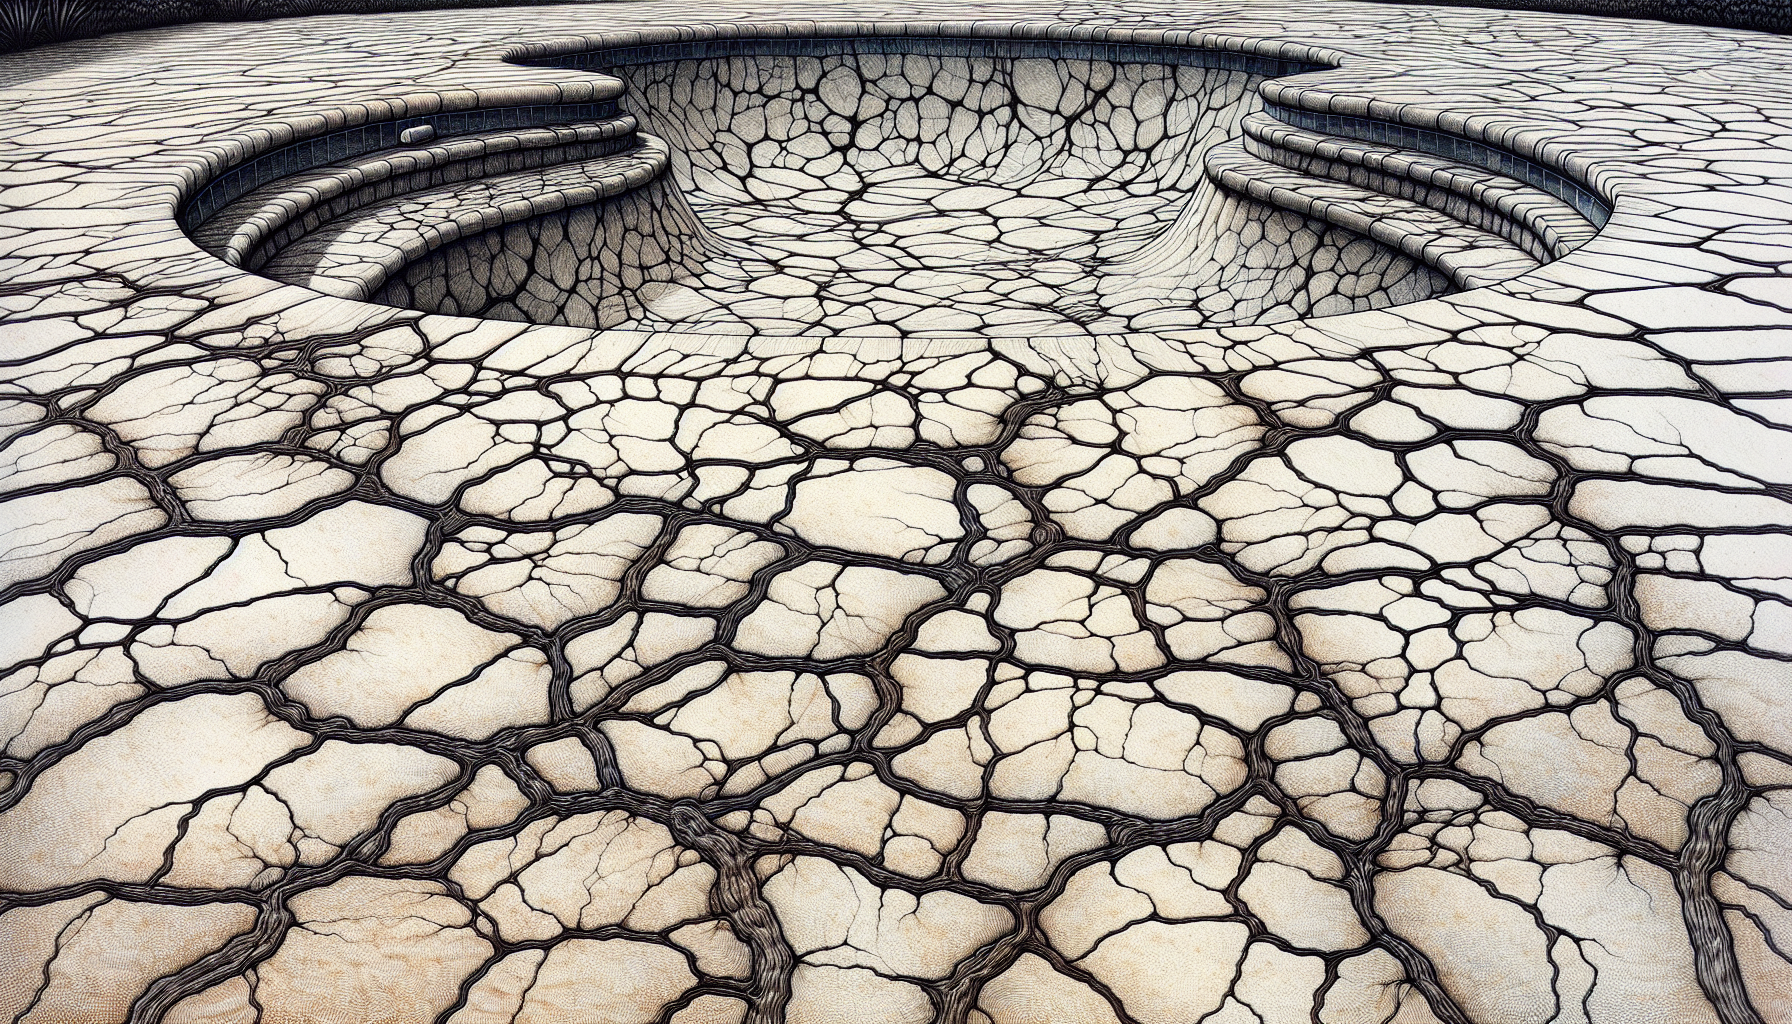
point(1545, 227)
point(249, 232)
point(353, 256)
point(1470, 256)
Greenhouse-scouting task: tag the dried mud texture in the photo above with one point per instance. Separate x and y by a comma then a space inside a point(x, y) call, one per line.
point(1423, 663)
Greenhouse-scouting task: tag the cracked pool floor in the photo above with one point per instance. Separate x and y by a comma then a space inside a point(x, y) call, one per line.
point(881, 611)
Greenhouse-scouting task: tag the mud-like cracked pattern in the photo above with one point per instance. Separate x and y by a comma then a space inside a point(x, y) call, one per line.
point(1417, 664)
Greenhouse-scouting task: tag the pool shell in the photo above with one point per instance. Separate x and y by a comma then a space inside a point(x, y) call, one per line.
point(954, 189)
point(867, 185)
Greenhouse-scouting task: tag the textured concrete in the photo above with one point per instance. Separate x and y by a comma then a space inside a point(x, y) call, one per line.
point(1159, 513)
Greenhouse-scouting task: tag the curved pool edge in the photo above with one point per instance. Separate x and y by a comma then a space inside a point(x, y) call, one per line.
point(264, 157)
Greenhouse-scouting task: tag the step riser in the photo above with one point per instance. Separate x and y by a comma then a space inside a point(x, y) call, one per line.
point(1469, 257)
point(1466, 208)
point(1543, 225)
point(251, 231)
point(1452, 148)
point(259, 169)
point(468, 170)
point(359, 274)
point(1480, 224)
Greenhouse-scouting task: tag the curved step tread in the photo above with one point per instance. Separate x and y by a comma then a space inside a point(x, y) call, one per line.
point(250, 230)
point(1469, 256)
point(353, 257)
point(1528, 216)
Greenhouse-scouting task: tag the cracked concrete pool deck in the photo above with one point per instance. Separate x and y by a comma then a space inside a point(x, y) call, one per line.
point(1343, 575)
